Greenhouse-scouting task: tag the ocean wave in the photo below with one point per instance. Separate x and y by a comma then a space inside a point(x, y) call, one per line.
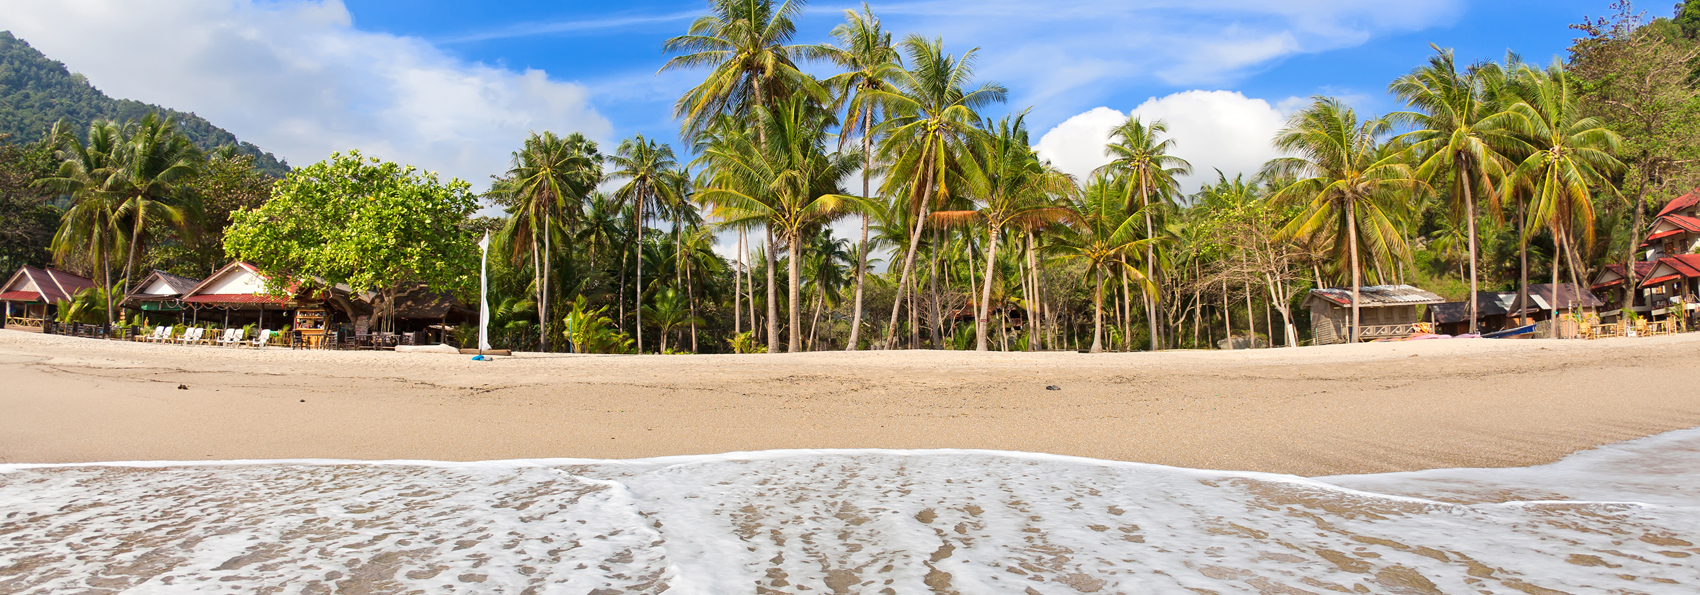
point(1619, 519)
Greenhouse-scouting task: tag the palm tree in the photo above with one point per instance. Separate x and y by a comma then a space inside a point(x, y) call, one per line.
point(151, 169)
point(669, 313)
point(1013, 187)
point(787, 182)
point(1458, 135)
point(871, 63)
point(1102, 235)
point(652, 179)
point(744, 44)
point(1569, 154)
point(1341, 177)
point(932, 117)
point(1139, 152)
point(543, 177)
point(92, 225)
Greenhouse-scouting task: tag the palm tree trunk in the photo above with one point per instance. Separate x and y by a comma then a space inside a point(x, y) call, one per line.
point(1250, 320)
point(750, 287)
point(1523, 264)
point(933, 289)
point(737, 289)
point(1150, 262)
point(1470, 213)
point(1352, 249)
point(543, 305)
point(772, 296)
point(909, 258)
point(537, 276)
point(1098, 312)
point(1227, 316)
point(795, 337)
point(638, 290)
point(1035, 330)
point(135, 243)
point(814, 325)
point(986, 290)
point(862, 259)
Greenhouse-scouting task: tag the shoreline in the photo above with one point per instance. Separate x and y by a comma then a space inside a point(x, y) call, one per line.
point(1315, 411)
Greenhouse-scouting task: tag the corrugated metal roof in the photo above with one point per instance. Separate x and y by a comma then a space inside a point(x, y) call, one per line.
point(1379, 295)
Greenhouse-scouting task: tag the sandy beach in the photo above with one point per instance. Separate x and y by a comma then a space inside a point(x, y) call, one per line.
point(1312, 411)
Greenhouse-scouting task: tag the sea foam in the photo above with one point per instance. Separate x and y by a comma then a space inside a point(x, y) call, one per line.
point(1619, 519)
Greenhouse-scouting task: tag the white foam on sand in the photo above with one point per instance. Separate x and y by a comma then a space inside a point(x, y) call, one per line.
point(1619, 519)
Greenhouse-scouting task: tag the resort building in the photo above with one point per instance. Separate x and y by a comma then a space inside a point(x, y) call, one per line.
point(234, 294)
point(159, 296)
point(1668, 282)
point(1497, 310)
point(1384, 312)
point(30, 295)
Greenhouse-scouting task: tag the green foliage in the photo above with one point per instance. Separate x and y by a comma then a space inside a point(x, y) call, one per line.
point(590, 330)
point(36, 92)
point(370, 224)
point(745, 342)
point(87, 306)
point(27, 217)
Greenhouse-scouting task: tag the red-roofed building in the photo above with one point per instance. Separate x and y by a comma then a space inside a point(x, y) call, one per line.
point(234, 294)
point(30, 294)
point(1670, 272)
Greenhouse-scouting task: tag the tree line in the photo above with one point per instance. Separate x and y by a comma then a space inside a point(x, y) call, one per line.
point(1494, 173)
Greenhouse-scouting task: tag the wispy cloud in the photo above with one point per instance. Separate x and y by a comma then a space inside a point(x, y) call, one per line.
point(567, 27)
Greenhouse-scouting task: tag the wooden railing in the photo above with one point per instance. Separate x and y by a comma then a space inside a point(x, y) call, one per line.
point(24, 322)
point(1389, 330)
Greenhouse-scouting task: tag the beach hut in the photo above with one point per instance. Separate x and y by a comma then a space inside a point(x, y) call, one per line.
point(1608, 287)
point(1384, 312)
point(160, 293)
point(1493, 309)
point(1676, 229)
point(430, 314)
point(236, 294)
point(1671, 286)
point(30, 295)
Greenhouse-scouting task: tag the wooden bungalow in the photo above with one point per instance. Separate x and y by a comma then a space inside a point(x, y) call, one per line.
point(236, 294)
point(1493, 313)
point(1384, 312)
point(1671, 287)
point(30, 295)
point(1609, 287)
point(159, 296)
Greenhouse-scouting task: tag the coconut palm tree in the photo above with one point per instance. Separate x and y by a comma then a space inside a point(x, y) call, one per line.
point(744, 44)
point(1457, 134)
point(1013, 188)
point(871, 63)
point(152, 167)
point(787, 182)
point(1103, 235)
point(91, 227)
point(932, 117)
point(1139, 152)
point(1569, 154)
point(669, 313)
point(652, 179)
point(1349, 187)
point(546, 181)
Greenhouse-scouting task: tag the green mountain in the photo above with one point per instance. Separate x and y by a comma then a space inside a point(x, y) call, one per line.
point(36, 91)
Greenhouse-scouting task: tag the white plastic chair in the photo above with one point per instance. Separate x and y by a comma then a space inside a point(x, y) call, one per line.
point(260, 339)
point(233, 337)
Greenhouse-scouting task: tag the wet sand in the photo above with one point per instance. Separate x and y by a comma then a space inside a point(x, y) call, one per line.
point(1310, 411)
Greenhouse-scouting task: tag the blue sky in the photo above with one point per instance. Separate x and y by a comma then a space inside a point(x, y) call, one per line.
point(454, 86)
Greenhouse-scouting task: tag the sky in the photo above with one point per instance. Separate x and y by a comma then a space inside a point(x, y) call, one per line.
point(454, 86)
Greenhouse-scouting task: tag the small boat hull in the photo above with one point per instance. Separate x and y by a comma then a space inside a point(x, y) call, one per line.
point(1510, 332)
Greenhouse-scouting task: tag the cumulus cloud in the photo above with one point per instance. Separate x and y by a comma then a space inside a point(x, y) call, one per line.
point(1212, 130)
point(297, 78)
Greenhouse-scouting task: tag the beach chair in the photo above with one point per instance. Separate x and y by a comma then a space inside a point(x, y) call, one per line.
point(154, 337)
point(187, 337)
point(260, 339)
point(161, 334)
point(233, 337)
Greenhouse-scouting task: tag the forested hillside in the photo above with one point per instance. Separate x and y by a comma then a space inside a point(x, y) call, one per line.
point(36, 91)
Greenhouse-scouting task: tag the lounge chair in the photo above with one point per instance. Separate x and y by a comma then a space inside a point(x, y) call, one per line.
point(154, 337)
point(260, 339)
point(233, 337)
point(187, 337)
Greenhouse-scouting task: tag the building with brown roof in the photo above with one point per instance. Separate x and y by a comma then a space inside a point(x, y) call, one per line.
point(30, 294)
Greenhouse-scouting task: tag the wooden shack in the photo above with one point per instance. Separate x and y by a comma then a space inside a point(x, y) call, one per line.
point(159, 296)
point(1384, 312)
point(30, 295)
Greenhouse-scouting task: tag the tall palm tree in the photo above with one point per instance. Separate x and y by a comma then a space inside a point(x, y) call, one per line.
point(544, 177)
point(1343, 179)
point(91, 226)
point(652, 177)
point(933, 115)
point(1138, 151)
point(744, 43)
point(152, 168)
point(1457, 135)
point(871, 63)
point(1102, 234)
point(1569, 154)
point(1013, 187)
point(787, 182)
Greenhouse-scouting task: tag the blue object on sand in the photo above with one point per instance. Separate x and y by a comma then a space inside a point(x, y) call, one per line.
point(1510, 332)
point(479, 358)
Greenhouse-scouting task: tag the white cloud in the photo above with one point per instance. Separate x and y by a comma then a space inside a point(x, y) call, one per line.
point(1212, 130)
point(296, 78)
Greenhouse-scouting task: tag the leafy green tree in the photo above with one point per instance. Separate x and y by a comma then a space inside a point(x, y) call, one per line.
point(1139, 152)
point(228, 182)
point(91, 229)
point(1101, 234)
point(1350, 189)
point(27, 217)
point(370, 224)
point(590, 331)
point(669, 313)
point(152, 168)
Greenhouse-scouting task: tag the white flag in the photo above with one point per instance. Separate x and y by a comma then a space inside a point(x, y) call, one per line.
point(484, 295)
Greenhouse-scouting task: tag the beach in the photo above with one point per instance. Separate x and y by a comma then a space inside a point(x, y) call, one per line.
point(1366, 408)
